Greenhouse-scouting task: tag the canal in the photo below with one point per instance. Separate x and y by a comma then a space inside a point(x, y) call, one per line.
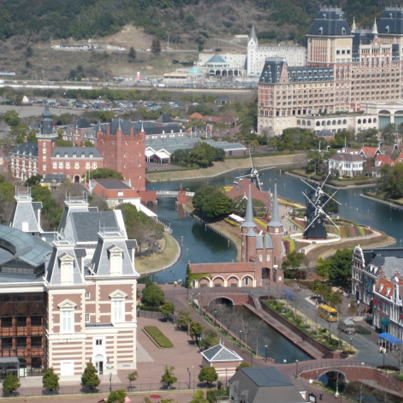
point(202, 245)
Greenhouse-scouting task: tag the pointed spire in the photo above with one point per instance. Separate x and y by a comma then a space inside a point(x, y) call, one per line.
point(142, 127)
point(253, 34)
point(375, 28)
point(119, 125)
point(98, 127)
point(249, 223)
point(275, 218)
point(353, 27)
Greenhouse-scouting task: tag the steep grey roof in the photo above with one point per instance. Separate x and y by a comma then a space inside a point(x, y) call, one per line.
point(265, 385)
point(273, 68)
point(24, 247)
point(76, 152)
point(27, 148)
point(347, 157)
point(164, 118)
point(112, 184)
point(82, 124)
point(391, 21)
point(221, 353)
point(100, 260)
point(253, 34)
point(275, 217)
point(249, 223)
point(264, 238)
point(53, 271)
point(325, 133)
point(329, 22)
point(86, 224)
point(47, 113)
point(23, 212)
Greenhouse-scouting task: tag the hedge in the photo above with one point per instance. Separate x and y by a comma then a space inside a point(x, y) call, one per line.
point(149, 308)
point(158, 336)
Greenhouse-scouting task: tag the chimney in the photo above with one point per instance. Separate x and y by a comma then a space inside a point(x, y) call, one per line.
point(83, 144)
point(25, 139)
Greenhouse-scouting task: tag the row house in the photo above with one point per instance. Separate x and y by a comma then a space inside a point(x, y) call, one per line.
point(24, 161)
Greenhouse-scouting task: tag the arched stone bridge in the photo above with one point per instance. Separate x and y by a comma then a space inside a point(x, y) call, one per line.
point(351, 370)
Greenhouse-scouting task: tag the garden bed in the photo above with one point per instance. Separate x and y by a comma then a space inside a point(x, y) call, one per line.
point(159, 338)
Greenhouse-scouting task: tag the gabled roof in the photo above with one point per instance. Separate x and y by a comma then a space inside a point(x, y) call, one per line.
point(370, 152)
point(347, 157)
point(220, 353)
point(82, 123)
point(164, 118)
point(383, 159)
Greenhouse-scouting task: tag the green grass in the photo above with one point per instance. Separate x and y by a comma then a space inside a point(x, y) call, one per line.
point(158, 336)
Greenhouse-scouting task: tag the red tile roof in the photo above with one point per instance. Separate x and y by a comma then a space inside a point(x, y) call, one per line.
point(237, 267)
point(383, 160)
point(369, 151)
point(385, 285)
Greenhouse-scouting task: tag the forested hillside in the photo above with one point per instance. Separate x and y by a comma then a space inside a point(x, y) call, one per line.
point(184, 20)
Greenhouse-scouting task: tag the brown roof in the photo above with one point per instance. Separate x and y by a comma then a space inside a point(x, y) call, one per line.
point(242, 189)
point(233, 267)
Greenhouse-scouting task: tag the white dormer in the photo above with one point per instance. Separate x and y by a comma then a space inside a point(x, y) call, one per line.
point(381, 288)
point(115, 254)
point(66, 263)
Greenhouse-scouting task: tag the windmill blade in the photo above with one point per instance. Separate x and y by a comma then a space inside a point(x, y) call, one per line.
point(306, 183)
point(310, 201)
point(327, 216)
point(330, 198)
point(316, 217)
point(323, 184)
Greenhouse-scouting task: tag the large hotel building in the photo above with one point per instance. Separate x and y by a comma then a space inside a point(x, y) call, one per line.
point(354, 75)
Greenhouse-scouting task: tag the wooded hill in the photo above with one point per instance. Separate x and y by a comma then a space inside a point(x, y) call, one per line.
point(184, 20)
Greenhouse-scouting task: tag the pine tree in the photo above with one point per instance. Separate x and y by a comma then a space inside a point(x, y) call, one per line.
point(168, 378)
point(156, 46)
point(90, 378)
point(132, 55)
point(50, 380)
point(11, 383)
point(133, 377)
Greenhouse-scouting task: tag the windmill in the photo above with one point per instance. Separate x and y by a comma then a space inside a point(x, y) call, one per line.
point(253, 174)
point(316, 212)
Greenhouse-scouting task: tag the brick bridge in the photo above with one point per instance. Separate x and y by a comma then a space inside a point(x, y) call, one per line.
point(352, 371)
point(236, 296)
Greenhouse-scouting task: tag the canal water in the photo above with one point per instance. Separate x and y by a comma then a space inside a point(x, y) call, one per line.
point(202, 245)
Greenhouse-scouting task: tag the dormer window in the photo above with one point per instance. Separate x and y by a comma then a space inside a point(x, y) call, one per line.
point(115, 255)
point(66, 263)
point(321, 31)
point(57, 155)
point(387, 29)
point(324, 16)
point(343, 31)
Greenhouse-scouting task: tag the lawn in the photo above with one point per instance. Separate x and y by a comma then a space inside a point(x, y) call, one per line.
point(165, 257)
point(158, 336)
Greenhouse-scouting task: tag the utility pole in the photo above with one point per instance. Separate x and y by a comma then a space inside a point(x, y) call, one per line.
point(173, 304)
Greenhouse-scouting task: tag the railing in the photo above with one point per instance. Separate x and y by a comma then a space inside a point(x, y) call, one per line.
point(333, 364)
point(107, 387)
point(150, 314)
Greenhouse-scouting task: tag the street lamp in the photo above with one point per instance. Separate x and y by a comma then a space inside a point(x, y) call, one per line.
point(110, 382)
point(351, 344)
point(265, 348)
point(202, 296)
point(285, 361)
point(173, 304)
point(240, 339)
point(190, 374)
point(296, 368)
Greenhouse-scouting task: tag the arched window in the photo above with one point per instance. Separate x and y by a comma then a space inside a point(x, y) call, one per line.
point(334, 122)
point(364, 121)
point(359, 121)
point(369, 120)
point(344, 121)
point(317, 123)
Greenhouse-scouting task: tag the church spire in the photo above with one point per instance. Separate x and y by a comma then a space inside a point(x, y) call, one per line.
point(142, 127)
point(119, 125)
point(375, 28)
point(249, 223)
point(275, 218)
point(353, 27)
point(253, 34)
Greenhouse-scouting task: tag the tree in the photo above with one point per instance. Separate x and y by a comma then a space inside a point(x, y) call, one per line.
point(132, 378)
point(153, 295)
point(12, 118)
point(195, 330)
point(315, 162)
point(156, 46)
point(11, 383)
point(105, 173)
point(210, 339)
point(259, 208)
point(50, 380)
point(168, 378)
point(132, 55)
point(188, 281)
point(212, 202)
point(90, 378)
point(332, 206)
point(335, 299)
point(337, 267)
point(389, 134)
point(353, 308)
point(117, 396)
point(243, 365)
point(208, 375)
point(198, 397)
point(391, 181)
point(293, 260)
point(167, 309)
point(254, 144)
point(183, 318)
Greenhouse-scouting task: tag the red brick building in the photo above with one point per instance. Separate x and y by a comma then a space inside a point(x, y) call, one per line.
point(123, 150)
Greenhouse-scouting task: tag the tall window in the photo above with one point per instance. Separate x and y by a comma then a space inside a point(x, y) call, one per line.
point(67, 321)
point(118, 311)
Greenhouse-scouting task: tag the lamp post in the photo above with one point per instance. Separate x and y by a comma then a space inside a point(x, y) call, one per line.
point(296, 368)
point(173, 304)
point(384, 354)
point(240, 339)
point(193, 368)
point(351, 344)
point(110, 382)
point(202, 296)
point(190, 374)
point(265, 350)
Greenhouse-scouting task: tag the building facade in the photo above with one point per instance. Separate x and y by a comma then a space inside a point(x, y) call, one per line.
point(346, 69)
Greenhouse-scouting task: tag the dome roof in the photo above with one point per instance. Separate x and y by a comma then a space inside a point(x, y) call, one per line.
point(46, 113)
point(325, 133)
point(195, 71)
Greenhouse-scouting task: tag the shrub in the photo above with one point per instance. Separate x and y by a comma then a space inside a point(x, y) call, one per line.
point(158, 336)
point(213, 394)
point(361, 330)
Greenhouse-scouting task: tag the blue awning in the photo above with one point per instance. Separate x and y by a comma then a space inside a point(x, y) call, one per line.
point(390, 338)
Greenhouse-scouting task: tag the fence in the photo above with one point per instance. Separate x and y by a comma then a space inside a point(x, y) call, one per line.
point(150, 314)
point(107, 388)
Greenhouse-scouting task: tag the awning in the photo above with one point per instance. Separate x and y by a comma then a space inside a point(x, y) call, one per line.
point(390, 338)
point(385, 322)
